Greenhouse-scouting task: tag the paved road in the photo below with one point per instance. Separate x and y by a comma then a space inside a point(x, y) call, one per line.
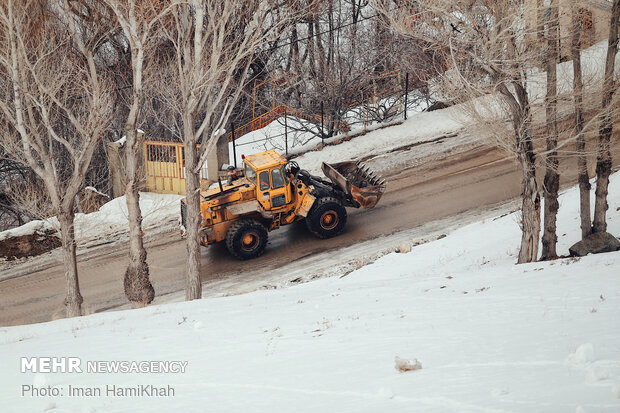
point(419, 191)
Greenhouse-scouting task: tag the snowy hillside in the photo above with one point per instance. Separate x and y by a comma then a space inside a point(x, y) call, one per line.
point(489, 335)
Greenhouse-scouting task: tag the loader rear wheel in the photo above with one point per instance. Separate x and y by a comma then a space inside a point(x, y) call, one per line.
point(327, 218)
point(246, 239)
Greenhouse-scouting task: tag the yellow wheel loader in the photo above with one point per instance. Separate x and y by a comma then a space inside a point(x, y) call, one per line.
point(272, 192)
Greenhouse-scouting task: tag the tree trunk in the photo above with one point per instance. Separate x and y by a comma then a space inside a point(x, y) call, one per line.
point(603, 171)
point(310, 49)
point(530, 206)
point(552, 178)
point(582, 160)
point(603, 160)
point(530, 210)
point(138, 287)
point(193, 284)
point(73, 300)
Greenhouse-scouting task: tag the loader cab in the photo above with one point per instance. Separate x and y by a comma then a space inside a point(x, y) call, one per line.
point(266, 171)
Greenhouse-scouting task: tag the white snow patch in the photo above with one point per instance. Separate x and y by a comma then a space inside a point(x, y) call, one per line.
point(273, 136)
point(49, 406)
point(418, 128)
point(39, 380)
point(93, 189)
point(596, 374)
point(32, 227)
point(584, 354)
point(121, 141)
point(160, 213)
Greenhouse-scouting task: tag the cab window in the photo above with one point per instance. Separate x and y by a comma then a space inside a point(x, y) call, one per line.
point(250, 174)
point(277, 181)
point(264, 180)
point(284, 174)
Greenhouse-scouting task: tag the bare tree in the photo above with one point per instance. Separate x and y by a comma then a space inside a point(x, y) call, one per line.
point(489, 56)
point(348, 63)
point(137, 20)
point(603, 162)
point(213, 43)
point(551, 30)
point(54, 109)
point(582, 160)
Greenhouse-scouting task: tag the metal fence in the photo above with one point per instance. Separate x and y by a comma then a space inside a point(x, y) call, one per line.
point(299, 128)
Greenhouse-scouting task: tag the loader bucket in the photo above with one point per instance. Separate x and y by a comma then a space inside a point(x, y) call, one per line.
point(357, 180)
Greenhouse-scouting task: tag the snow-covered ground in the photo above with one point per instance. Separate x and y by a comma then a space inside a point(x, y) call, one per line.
point(490, 336)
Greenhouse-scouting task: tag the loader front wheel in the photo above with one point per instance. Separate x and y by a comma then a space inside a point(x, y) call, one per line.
point(246, 239)
point(327, 218)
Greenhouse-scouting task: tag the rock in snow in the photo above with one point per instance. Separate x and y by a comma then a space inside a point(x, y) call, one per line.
point(404, 247)
point(404, 365)
point(595, 244)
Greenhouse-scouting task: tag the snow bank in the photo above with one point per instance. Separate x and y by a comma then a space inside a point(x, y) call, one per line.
point(32, 227)
point(491, 336)
point(160, 213)
point(416, 129)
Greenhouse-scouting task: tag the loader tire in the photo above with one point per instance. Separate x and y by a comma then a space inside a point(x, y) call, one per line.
point(327, 218)
point(246, 239)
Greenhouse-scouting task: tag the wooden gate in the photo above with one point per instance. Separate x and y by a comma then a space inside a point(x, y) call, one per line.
point(164, 164)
